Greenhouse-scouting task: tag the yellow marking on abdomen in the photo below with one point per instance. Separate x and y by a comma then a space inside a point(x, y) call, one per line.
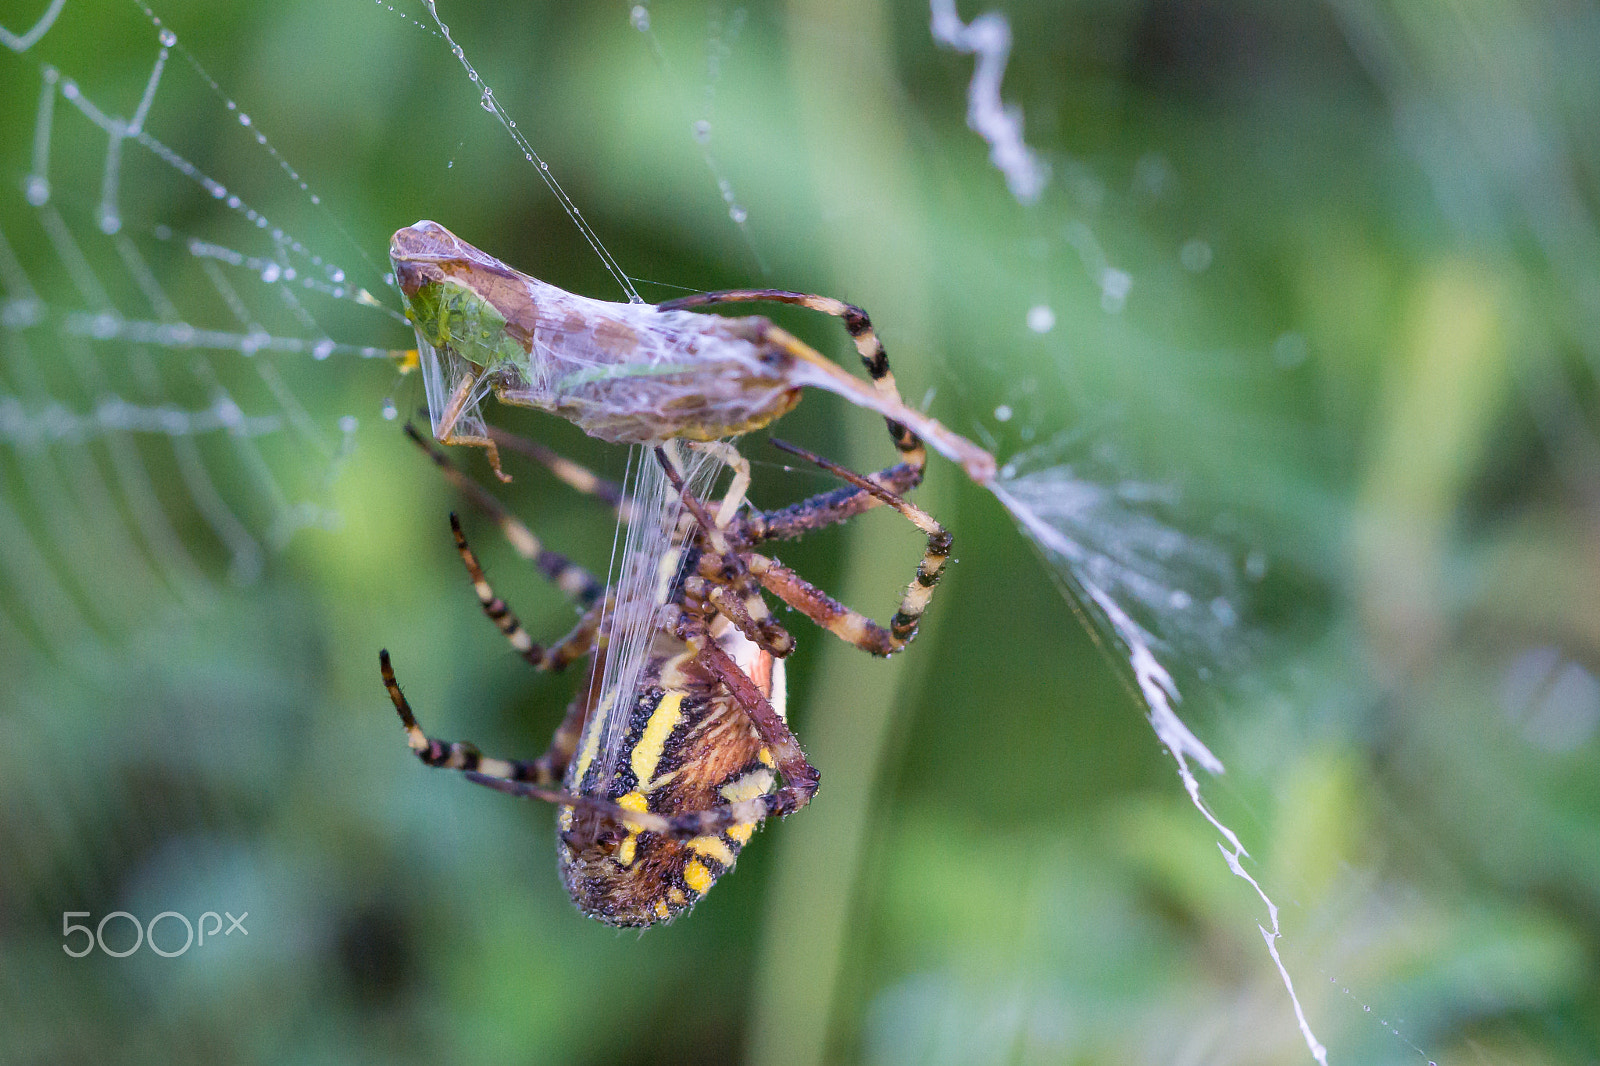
point(629, 848)
point(646, 754)
point(697, 877)
point(591, 738)
point(753, 784)
point(712, 847)
point(741, 832)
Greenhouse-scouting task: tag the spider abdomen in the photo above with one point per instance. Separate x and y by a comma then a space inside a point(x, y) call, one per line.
point(687, 748)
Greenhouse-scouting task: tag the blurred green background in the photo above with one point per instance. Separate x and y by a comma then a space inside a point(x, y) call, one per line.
point(1325, 280)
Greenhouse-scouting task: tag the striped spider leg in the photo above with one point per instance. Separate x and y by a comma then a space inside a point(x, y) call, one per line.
point(658, 797)
point(723, 568)
point(582, 588)
point(699, 739)
point(625, 373)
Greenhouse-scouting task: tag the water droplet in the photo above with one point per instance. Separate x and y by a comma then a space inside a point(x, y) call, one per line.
point(543, 165)
point(1003, 413)
point(1041, 318)
point(390, 413)
point(337, 275)
point(37, 190)
point(1195, 255)
point(316, 200)
point(322, 349)
point(1153, 175)
point(1224, 612)
point(244, 119)
point(110, 221)
point(738, 214)
point(167, 38)
point(702, 131)
point(235, 203)
point(1114, 288)
point(16, 314)
point(1255, 564)
point(640, 17)
point(348, 424)
point(486, 101)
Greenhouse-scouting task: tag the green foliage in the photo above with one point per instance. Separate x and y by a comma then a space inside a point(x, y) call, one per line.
point(1360, 343)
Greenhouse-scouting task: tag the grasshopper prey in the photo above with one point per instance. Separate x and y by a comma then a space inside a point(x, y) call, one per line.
point(627, 373)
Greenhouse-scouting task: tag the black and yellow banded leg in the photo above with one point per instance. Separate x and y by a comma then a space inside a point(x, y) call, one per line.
point(849, 625)
point(723, 577)
point(800, 778)
point(582, 587)
point(583, 639)
point(536, 779)
point(575, 645)
point(859, 326)
point(738, 488)
point(542, 772)
point(575, 475)
point(827, 508)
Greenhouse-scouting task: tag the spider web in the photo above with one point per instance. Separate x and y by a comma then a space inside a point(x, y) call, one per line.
point(151, 410)
point(175, 406)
